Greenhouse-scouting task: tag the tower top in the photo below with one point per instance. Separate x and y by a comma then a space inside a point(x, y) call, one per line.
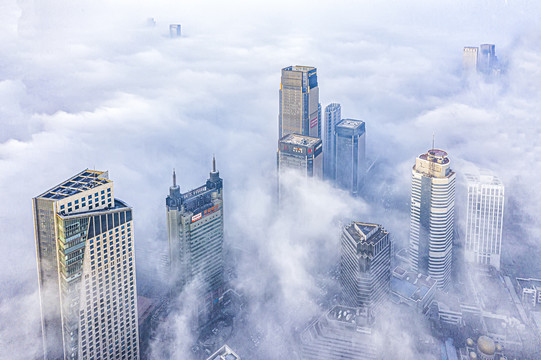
point(174, 178)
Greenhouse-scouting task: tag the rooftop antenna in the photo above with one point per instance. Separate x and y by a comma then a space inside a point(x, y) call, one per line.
point(433, 140)
point(174, 178)
point(213, 163)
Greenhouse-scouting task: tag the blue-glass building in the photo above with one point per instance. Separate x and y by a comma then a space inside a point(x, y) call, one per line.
point(349, 154)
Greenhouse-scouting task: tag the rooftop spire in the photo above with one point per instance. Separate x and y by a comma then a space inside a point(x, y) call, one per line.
point(213, 163)
point(174, 178)
point(433, 140)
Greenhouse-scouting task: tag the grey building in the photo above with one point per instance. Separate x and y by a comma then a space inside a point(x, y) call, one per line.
point(365, 265)
point(195, 225)
point(301, 154)
point(86, 270)
point(349, 154)
point(333, 115)
point(414, 290)
point(342, 333)
point(299, 102)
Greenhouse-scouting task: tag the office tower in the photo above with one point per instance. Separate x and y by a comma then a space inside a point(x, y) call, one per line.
point(300, 154)
point(299, 102)
point(487, 60)
point(86, 270)
point(349, 154)
point(432, 216)
point(224, 353)
point(343, 333)
point(365, 265)
point(484, 219)
point(469, 59)
point(174, 30)
point(195, 226)
point(332, 117)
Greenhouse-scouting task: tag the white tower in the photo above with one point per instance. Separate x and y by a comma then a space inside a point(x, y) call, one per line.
point(432, 216)
point(484, 220)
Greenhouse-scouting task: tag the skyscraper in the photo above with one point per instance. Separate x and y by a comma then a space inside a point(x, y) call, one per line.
point(299, 102)
point(86, 270)
point(487, 60)
point(302, 154)
point(195, 226)
point(365, 265)
point(484, 219)
point(332, 117)
point(349, 154)
point(469, 58)
point(432, 216)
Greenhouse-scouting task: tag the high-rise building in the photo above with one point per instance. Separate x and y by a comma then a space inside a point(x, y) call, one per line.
point(469, 58)
point(301, 154)
point(174, 30)
point(333, 115)
point(487, 60)
point(86, 270)
point(195, 226)
point(432, 216)
point(299, 102)
point(349, 154)
point(343, 333)
point(365, 265)
point(484, 219)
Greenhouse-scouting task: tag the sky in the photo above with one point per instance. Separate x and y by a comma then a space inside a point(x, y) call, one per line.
point(89, 84)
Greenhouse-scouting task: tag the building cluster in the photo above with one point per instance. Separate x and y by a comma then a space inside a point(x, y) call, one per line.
point(481, 59)
point(86, 266)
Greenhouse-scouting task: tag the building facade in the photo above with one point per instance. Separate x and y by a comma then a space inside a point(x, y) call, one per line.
point(484, 219)
point(195, 226)
point(86, 270)
point(469, 59)
point(432, 216)
point(365, 265)
point(333, 115)
point(343, 333)
point(350, 154)
point(299, 102)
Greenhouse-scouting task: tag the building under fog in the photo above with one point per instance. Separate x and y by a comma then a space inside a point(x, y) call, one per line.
point(350, 155)
point(195, 226)
point(432, 216)
point(300, 154)
point(414, 290)
point(482, 59)
point(299, 102)
point(365, 265)
point(86, 270)
point(343, 333)
point(224, 353)
point(332, 116)
point(484, 219)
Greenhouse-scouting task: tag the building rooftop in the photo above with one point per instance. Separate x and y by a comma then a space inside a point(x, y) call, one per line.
point(85, 180)
point(296, 139)
point(410, 285)
point(298, 68)
point(365, 232)
point(435, 155)
point(345, 314)
point(117, 204)
point(350, 123)
point(529, 283)
point(484, 177)
point(224, 353)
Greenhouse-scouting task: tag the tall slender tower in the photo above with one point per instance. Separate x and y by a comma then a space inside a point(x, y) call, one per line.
point(365, 265)
point(195, 226)
point(86, 270)
point(432, 216)
point(484, 219)
point(333, 115)
point(349, 152)
point(299, 102)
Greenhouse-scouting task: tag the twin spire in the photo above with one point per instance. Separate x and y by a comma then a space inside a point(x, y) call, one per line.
point(213, 170)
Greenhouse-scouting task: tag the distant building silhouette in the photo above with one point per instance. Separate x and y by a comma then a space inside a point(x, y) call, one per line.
point(174, 30)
